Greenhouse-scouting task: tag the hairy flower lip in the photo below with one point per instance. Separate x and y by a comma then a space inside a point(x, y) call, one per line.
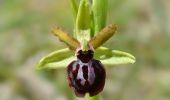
point(86, 75)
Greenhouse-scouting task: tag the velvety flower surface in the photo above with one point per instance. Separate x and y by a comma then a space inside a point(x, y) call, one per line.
point(86, 75)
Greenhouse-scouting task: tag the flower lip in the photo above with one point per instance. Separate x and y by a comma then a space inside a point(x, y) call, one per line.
point(86, 74)
point(86, 78)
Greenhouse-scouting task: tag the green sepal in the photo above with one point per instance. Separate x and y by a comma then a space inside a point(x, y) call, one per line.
point(61, 58)
point(113, 57)
point(83, 24)
point(99, 9)
point(83, 16)
point(57, 59)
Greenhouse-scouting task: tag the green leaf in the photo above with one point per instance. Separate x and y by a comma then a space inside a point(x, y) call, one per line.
point(113, 57)
point(74, 5)
point(99, 9)
point(57, 59)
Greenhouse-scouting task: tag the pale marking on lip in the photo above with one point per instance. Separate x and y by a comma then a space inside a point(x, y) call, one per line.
point(74, 66)
point(91, 74)
point(80, 72)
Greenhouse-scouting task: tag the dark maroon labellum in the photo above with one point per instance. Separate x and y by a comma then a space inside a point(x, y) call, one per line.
point(86, 75)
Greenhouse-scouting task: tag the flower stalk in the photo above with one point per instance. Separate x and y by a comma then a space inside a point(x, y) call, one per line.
point(92, 98)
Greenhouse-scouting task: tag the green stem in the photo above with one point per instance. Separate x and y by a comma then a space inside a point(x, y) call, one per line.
point(92, 98)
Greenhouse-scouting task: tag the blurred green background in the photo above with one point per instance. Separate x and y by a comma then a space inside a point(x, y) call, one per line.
point(144, 31)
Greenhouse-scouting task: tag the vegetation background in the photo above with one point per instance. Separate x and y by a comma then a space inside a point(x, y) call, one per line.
point(144, 31)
